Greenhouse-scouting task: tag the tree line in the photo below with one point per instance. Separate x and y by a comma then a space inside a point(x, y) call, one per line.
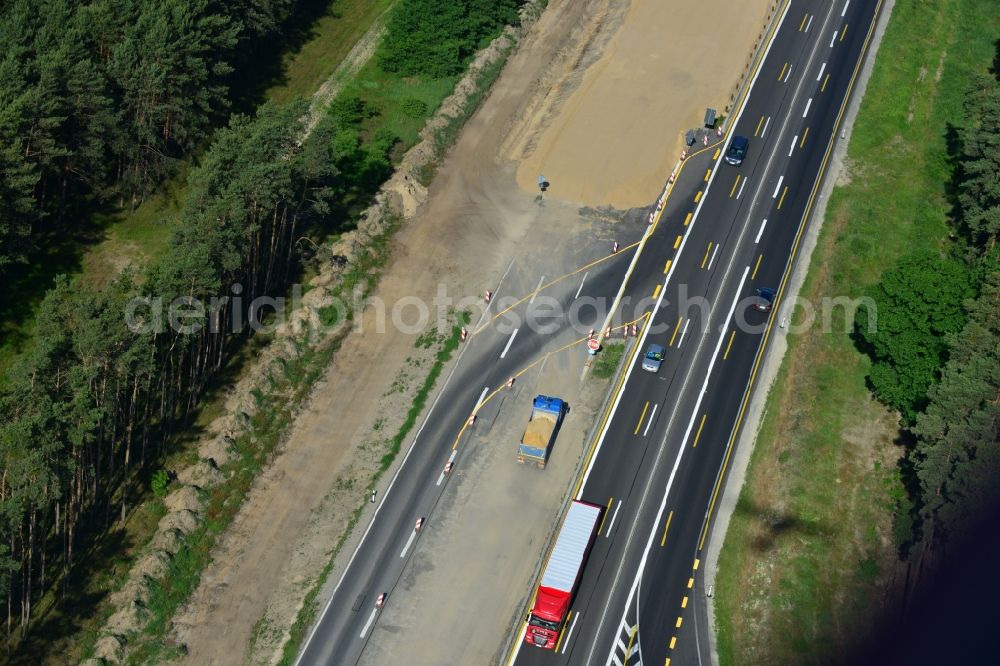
point(935, 347)
point(102, 101)
point(99, 100)
point(95, 397)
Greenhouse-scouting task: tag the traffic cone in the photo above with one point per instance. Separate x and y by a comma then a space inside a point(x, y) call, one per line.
point(463, 334)
point(488, 295)
point(510, 382)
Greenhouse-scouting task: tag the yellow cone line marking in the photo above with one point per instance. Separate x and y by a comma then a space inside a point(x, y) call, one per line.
point(666, 528)
point(697, 197)
point(707, 251)
point(666, 269)
point(677, 243)
point(684, 602)
point(676, 328)
point(641, 417)
point(698, 435)
point(679, 621)
point(687, 220)
point(656, 292)
point(731, 337)
point(556, 280)
point(611, 500)
point(708, 174)
point(718, 151)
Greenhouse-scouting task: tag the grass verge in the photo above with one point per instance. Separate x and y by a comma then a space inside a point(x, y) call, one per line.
point(608, 359)
point(810, 557)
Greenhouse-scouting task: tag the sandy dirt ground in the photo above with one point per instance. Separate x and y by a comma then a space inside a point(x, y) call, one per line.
point(551, 97)
point(609, 139)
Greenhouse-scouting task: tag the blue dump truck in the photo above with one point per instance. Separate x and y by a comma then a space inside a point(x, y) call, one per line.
point(546, 417)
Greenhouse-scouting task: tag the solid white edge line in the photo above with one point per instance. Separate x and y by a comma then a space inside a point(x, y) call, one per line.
point(409, 542)
point(778, 188)
point(581, 284)
point(506, 349)
point(535, 292)
point(650, 421)
point(569, 634)
point(368, 624)
point(761, 232)
point(613, 519)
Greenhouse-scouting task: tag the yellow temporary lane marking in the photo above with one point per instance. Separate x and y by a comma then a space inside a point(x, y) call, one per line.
point(631, 639)
point(803, 24)
point(673, 642)
point(715, 156)
point(656, 292)
point(759, 257)
point(641, 417)
point(697, 197)
point(822, 88)
point(611, 500)
point(783, 69)
point(677, 243)
point(687, 219)
point(666, 269)
point(690, 583)
point(707, 251)
point(563, 633)
point(679, 621)
point(843, 32)
point(555, 281)
point(759, 123)
point(667, 662)
point(784, 281)
point(676, 328)
point(708, 174)
point(735, 183)
point(782, 200)
point(684, 602)
point(696, 563)
point(732, 336)
point(804, 135)
point(697, 435)
point(666, 528)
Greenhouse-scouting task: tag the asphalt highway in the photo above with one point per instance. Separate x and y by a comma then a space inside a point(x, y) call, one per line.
point(664, 445)
point(664, 450)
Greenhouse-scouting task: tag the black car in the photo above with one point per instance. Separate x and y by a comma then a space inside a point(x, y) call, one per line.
point(737, 150)
point(764, 299)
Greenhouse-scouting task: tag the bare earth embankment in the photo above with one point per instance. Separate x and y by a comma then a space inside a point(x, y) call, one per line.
point(588, 88)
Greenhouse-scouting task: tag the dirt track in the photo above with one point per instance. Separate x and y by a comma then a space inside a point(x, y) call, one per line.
point(589, 86)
